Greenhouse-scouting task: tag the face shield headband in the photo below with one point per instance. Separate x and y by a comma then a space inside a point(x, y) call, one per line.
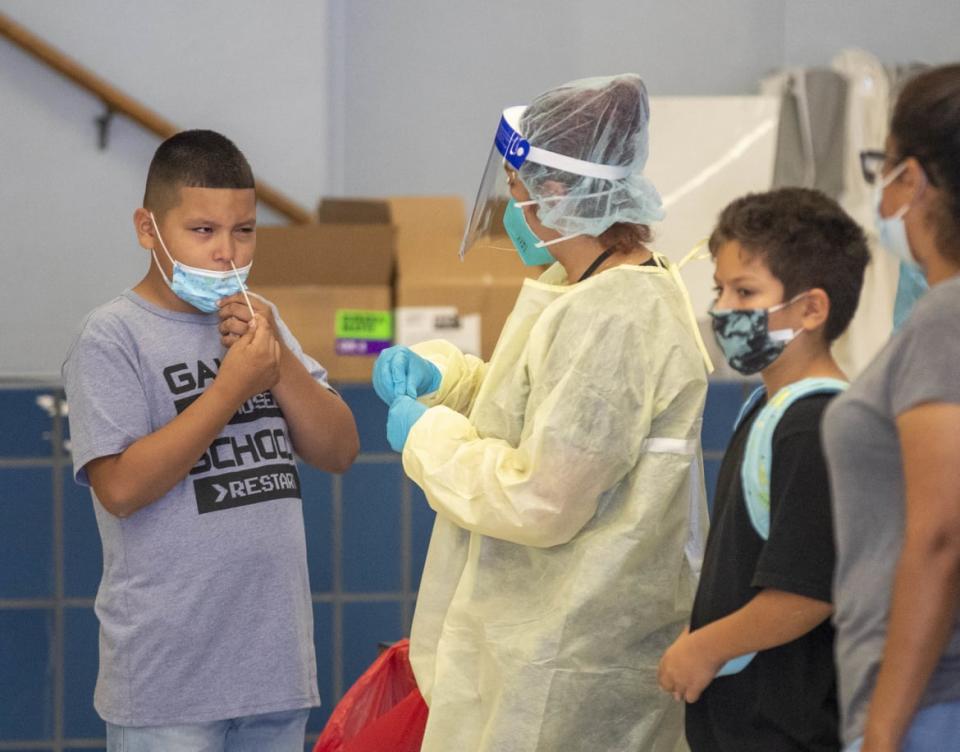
point(511, 149)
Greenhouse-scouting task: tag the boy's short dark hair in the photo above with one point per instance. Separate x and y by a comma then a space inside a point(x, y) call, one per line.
point(806, 240)
point(194, 159)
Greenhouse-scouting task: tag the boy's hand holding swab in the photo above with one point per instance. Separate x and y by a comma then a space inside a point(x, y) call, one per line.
point(237, 311)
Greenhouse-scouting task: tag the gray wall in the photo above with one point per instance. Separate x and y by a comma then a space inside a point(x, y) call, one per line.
point(255, 70)
point(421, 84)
point(345, 97)
point(426, 81)
point(896, 31)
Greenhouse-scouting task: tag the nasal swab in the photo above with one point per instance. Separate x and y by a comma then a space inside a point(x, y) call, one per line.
point(243, 289)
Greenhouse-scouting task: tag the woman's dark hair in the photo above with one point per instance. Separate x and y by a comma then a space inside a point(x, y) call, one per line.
point(926, 126)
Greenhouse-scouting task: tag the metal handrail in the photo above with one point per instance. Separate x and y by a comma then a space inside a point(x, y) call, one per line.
point(116, 101)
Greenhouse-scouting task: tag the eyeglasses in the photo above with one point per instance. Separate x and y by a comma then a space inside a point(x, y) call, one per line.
point(871, 164)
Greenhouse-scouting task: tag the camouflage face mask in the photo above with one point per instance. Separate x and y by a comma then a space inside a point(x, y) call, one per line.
point(745, 336)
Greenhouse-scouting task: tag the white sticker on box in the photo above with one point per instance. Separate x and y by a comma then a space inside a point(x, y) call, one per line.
point(415, 324)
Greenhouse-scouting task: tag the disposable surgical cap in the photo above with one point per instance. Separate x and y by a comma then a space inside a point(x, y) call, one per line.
point(601, 120)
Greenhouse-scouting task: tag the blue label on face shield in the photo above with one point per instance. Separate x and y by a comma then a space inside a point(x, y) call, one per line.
point(510, 144)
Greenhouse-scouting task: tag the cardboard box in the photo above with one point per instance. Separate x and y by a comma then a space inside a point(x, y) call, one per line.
point(437, 294)
point(331, 282)
point(337, 282)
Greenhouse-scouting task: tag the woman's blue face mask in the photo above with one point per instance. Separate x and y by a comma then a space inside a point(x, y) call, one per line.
point(892, 233)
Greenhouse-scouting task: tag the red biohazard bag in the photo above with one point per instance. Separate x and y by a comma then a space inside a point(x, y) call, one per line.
point(383, 710)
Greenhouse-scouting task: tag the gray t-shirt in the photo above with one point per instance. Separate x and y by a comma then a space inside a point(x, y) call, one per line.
point(204, 605)
point(921, 363)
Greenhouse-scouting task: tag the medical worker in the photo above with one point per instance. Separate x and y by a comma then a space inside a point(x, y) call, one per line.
point(893, 443)
point(566, 472)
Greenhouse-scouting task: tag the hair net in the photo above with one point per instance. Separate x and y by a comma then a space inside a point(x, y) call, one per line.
point(601, 120)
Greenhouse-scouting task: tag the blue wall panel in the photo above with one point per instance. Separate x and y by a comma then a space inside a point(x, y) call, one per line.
point(26, 426)
point(80, 661)
point(371, 528)
point(26, 532)
point(365, 626)
point(317, 489)
point(26, 686)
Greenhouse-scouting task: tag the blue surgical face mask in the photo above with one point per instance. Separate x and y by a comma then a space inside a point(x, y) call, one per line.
point(201, 288)
point(745, 337)
point(891, 230)
point(911, 286)
point(529, 246)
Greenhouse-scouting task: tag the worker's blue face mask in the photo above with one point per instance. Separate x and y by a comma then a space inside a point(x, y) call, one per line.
point(201, 288)
point(745, 337)
point(529, 246)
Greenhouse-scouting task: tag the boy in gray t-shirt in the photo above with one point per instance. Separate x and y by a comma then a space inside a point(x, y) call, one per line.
point(188, 401)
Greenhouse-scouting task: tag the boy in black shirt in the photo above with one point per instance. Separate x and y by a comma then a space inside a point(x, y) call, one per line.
point(789, 268)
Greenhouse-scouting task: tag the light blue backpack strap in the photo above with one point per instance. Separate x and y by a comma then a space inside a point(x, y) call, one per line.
point(735, 665)
point(758, 456)
point(758, 460)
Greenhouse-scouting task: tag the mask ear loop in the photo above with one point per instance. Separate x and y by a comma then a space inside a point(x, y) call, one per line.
point(786, 335)
point(564, 197)
point(544, 243)
point(784, 304)
point(163, 246)
point(923, 187)
point(893, 175)
point(546, 199)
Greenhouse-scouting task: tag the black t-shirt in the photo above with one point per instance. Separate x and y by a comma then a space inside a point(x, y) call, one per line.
point(786, 698)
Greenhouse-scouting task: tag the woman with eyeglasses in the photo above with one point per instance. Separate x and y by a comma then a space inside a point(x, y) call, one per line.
point(893, 445)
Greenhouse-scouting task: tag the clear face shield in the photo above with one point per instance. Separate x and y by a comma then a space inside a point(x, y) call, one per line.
point(509, 152)
point(494, 199)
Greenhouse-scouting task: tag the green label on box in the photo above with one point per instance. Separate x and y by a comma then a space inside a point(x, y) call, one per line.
point(365, 325)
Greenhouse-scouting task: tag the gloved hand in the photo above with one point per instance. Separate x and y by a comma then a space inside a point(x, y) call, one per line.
point(404, 412)
point(400, 371)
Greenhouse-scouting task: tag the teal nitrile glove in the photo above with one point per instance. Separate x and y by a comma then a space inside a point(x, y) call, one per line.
point(404, 412)
point(400, 371)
